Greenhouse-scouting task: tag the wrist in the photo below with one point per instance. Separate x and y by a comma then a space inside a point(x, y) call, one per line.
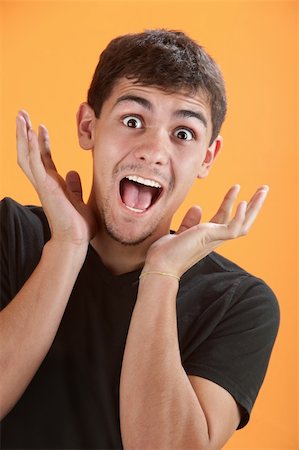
point(66, 248)
point(155, 273)
point(154, 285)
point(158, 265)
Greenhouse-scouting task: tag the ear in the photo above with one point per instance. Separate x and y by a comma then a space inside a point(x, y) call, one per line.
point(85, 126)
point(210, 157)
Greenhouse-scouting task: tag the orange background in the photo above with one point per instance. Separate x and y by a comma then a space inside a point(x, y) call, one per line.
point(49, 52)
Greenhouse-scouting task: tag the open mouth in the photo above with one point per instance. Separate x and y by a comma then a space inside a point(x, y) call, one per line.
point(139, 194)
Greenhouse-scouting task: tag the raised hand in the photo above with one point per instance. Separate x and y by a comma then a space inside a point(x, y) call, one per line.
point(70, 219)
point(176, 253)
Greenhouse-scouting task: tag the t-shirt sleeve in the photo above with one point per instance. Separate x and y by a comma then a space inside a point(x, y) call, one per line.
point(23, 232)
point(236, 355)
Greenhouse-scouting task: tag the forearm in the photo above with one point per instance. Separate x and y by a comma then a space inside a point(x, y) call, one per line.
point(29, 323)
point(158, 406)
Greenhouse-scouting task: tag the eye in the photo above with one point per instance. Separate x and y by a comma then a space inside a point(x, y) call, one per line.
point(184, 134)
point(132, 122)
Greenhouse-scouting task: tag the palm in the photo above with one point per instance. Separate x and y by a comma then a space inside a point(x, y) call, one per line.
point(69, 217)
point(195, 240)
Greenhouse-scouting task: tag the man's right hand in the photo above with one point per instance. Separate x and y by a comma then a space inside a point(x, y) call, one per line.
point(25, 335)
point(71, 221)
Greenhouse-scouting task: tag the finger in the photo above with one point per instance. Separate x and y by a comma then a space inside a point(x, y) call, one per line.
point(246, 214)
point(192, 217)
point(23, 146)
point(235, 226)
point(22, 138)
point(26, 117)
point(35, 160)
point(256, 196)
point(224, 212)
point(44, 145)
point(254, 208)
point(74, 185)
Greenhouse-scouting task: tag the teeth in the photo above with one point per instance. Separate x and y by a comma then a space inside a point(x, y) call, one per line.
point(144, 181)
point(135, 209)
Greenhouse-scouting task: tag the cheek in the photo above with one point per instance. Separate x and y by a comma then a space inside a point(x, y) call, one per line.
point(184, 181)
point(112, 145)
point(187, 170)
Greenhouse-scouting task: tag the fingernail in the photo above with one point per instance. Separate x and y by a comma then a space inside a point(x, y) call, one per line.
point(264, 188)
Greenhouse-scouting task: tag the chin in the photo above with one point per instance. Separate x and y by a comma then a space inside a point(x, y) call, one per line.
point(127, 240)
point(129, 236)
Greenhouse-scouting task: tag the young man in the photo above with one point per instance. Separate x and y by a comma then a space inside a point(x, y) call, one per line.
point(115, 332)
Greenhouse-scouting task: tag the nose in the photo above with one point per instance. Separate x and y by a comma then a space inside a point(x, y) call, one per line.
point(153, 147)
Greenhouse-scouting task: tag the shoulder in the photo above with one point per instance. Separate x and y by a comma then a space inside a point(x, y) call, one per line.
point(13, 213)
point(249, 286)
point(22, 227)
point(233, 298)
point(217, 273)
point(23, 231)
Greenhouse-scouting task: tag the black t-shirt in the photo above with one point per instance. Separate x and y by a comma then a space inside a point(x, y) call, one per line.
point(227, 324)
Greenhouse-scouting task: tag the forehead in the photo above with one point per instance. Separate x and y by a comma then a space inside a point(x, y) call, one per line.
point(155, 96)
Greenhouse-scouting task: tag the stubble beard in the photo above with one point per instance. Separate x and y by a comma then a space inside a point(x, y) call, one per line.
point(114, 231)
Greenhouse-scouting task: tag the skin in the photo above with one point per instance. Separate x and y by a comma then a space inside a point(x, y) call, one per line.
point(151, 151)
point(191, 411)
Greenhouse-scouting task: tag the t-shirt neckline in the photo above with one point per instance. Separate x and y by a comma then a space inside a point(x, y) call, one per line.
point(109, 277)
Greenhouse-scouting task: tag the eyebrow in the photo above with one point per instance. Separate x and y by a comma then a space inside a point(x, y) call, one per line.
point(181, 113)
point(185, 113)
point(135, 98)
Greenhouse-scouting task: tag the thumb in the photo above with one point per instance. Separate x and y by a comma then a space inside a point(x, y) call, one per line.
point(192, 218)
point(73, 184)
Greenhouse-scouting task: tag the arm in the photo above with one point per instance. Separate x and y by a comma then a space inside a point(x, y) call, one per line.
point(30, 321)
point(160, 406)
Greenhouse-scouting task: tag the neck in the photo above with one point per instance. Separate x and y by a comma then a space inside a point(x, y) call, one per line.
point(117, 257)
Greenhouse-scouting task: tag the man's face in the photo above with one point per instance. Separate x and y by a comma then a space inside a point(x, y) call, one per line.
point(148, 147)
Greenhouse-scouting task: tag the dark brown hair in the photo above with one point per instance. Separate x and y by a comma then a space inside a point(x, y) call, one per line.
point(169, 60)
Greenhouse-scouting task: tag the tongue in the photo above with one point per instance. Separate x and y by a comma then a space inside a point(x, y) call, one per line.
point(136, 195)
